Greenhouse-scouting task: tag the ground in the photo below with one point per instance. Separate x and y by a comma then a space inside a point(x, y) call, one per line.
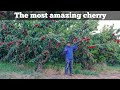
point(8, 71)
point(15, 75)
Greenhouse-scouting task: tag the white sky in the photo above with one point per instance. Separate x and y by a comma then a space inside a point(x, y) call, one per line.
point(102, 23)
point(109, 22)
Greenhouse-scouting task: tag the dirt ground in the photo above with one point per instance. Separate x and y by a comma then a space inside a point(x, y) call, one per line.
point(44, 76)
point(58, 75)
point(103, 75)
point(107, 73)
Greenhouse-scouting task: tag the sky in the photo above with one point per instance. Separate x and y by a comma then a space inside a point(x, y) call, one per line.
point(109, 22)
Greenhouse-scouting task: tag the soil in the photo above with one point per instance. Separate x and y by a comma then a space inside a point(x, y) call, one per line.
point(49, 74)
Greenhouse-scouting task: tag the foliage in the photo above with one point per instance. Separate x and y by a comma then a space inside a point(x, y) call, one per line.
point(26, 40)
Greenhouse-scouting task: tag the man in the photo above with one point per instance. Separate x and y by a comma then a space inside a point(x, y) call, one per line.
point(68, 51)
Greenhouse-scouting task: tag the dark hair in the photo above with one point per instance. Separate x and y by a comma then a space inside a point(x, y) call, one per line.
point(68, 42)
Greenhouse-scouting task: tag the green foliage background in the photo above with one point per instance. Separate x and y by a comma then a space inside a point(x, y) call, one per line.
point(35, 36)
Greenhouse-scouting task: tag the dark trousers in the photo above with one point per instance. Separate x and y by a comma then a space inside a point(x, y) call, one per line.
point(68, 66)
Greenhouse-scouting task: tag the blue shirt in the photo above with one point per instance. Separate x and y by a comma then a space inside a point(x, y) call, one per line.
point(68, 51)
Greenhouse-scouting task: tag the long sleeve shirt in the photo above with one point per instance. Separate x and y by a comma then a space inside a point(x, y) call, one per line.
point(68, 51)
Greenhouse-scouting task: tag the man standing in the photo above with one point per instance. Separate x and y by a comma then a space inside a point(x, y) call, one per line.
point(68, 51)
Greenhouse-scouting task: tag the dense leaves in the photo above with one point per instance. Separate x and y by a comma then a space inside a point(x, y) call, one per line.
point(26, 40)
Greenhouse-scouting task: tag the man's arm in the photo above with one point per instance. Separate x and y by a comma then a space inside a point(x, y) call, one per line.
point(65, 50)
point(75, 46)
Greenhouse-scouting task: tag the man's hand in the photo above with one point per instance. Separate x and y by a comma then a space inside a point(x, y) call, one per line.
point(74, 42)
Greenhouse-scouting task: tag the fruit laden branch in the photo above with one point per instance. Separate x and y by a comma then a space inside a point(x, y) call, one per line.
point(41, 60)
point(23, 41)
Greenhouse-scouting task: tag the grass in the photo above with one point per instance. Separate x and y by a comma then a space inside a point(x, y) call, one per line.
point(9, 67)
point(76, 68)
point(106, 69)
point(9, 70)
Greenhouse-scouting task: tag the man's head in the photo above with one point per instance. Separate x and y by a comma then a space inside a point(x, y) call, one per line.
point(68, 43)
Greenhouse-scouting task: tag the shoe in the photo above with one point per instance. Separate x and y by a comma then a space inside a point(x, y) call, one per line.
point(65, 74)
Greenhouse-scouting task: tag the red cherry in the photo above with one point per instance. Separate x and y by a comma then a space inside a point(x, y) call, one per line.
point(63, 39)
point(42, 37)
point(47, 25)
point(27, 48)
point(36, 25)
point(87, 39)
point(113, 34)
point(25, 32)
point(75, 39)
point(93, 46)
point(4, 27)
point(118, 41)
point(17, 44)
point(58, 44)
point(10, 43)
point(0, 43)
